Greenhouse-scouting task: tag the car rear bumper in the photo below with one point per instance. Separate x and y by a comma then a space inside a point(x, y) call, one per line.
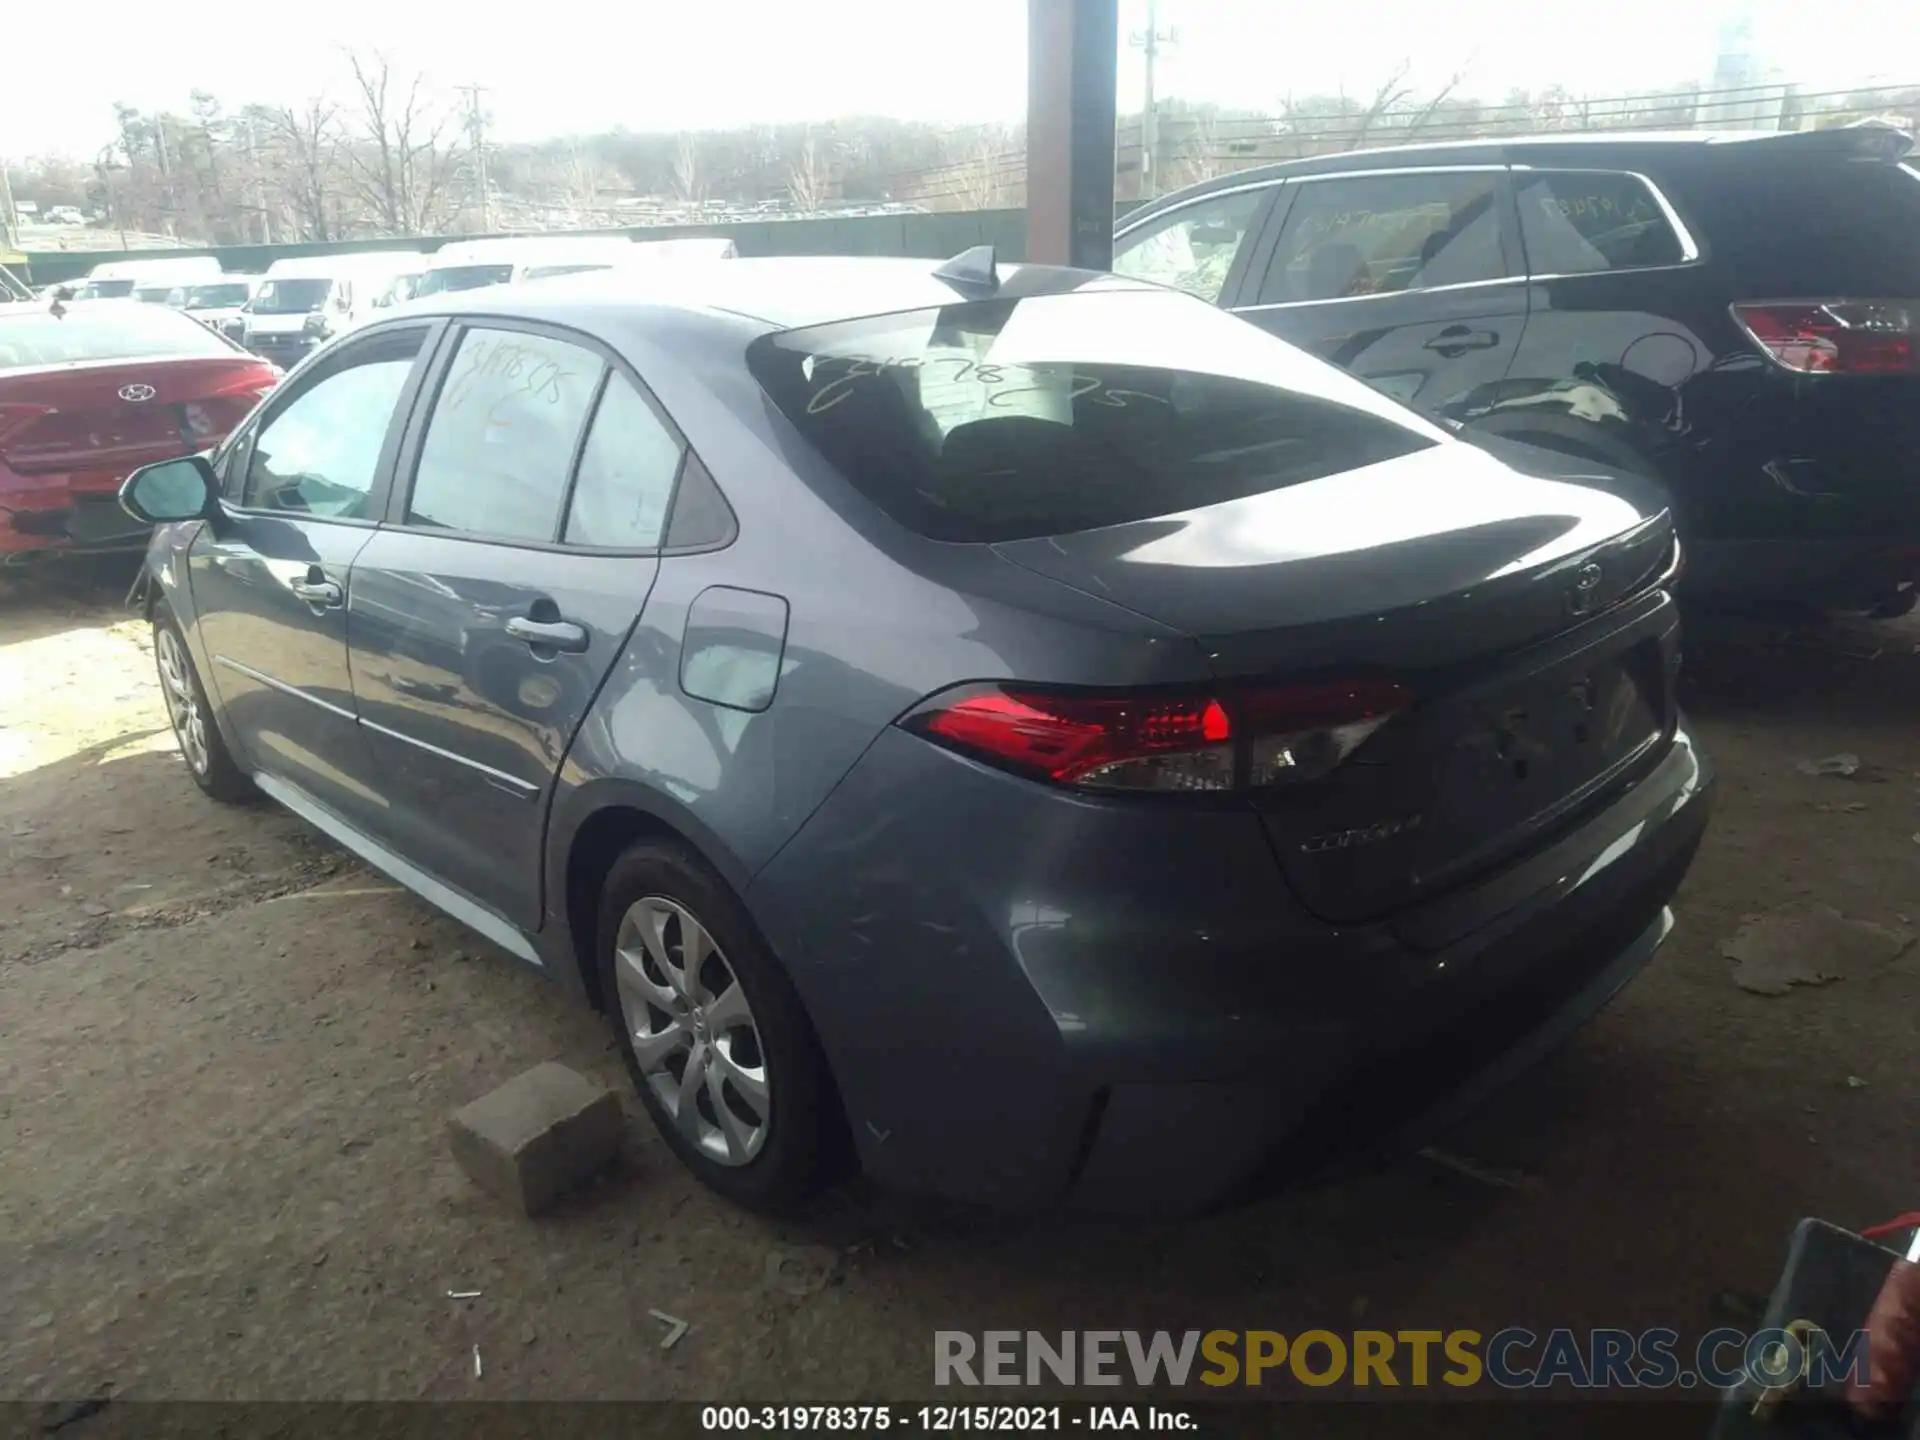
point(1029, 998)
point(77, 523)
point(286, 351)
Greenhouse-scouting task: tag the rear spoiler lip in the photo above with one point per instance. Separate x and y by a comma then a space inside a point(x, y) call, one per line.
point(1869, 140)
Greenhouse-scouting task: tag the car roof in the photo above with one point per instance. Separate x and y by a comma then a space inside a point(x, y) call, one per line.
point(786, 293)
point(1623, 148)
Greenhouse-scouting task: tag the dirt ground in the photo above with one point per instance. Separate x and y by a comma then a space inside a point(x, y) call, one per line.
point(227, 1054)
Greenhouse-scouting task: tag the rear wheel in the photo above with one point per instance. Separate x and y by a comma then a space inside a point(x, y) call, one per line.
point(714, 1036)
point(208, 760)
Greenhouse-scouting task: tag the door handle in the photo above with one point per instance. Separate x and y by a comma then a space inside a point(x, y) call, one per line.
point(321, 592)
point(1458, 339)
point(561, 635)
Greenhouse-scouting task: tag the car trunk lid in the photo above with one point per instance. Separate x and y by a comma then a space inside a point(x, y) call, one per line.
point(107, 418)
point(1521, 612)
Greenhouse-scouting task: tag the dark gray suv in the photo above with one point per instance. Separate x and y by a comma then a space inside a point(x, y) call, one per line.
point(1023, 731)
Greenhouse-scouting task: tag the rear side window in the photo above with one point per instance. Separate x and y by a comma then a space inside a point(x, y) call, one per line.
point(626, 474)
point(1192, 249)
point(1581, 222)
point(1382, 234)
point(32, 335)
point(502, 436)
point(1004, 419)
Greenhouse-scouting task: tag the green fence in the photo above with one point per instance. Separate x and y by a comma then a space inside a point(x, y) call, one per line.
point(931, 236)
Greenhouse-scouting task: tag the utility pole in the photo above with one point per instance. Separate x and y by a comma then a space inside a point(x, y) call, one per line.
point(1148, 42)
point(477, 133)
point(9, 217)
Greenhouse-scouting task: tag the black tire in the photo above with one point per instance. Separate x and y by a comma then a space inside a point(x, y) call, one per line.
point(210, 763)
point(805, 1146)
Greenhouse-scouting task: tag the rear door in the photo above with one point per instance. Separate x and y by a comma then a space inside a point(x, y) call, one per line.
point(1409, 279)
point(305, 485)
point(485, 616)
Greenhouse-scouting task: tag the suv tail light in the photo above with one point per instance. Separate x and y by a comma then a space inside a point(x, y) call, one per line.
point(1257, 737)
point(1836, 337)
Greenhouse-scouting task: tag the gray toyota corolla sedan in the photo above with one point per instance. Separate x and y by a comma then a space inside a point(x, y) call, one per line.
point(1022, 731)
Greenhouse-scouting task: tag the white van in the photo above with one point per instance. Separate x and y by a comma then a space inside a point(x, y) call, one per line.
point(692, 247)
point(219, 303)
point(473, 264)
point(303, 303)
point(117, 279)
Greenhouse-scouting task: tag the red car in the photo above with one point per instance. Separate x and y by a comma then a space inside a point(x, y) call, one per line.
point(92, 391)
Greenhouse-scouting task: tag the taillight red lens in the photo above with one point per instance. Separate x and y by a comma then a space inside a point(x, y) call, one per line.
point(1836, 337)
point(1260, 736)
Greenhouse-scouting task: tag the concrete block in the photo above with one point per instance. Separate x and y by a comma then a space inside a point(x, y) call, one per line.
point(537, 1136)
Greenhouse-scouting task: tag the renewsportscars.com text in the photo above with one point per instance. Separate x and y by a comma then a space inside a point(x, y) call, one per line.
point(1511, 1359)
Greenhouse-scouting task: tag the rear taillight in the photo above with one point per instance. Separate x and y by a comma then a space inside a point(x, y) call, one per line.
point(1836, 337)
point(1253, 737)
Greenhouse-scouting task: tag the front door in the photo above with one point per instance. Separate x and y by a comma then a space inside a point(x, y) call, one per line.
point(485, 616)
point(1412, 281)
point(305, 485)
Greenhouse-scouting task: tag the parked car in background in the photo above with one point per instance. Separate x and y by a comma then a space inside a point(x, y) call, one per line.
point(90, 393)
point(1737, 315)
point(301, 303)
point(163, 292)
point(475, 264)
point(117, 279)
point(217, 302)
point(1021, 727)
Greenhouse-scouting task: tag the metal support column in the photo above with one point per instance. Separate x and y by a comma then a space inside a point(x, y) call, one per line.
point(1072, 63)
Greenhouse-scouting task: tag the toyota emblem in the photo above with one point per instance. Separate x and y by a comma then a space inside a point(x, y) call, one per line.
point(1586, 583)
point(136, 393)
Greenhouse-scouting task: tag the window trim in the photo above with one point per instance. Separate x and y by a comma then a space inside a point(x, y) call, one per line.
point(384, 474)
point(413, 440)
point(1690, 252)
point(1504, 195)
point(1226, 190)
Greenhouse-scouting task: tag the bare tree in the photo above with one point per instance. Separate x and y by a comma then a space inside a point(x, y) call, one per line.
point(806, 178)
point(310, 151)
point(1391, 92)
point(980, 180)
point(403, 169)
point(688, 183)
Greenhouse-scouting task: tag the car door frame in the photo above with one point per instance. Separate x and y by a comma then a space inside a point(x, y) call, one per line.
point(405, 474)
point(238, 447)
point(1257, 227)
point(240, 442)
point(1513, 251)
point(406, 460)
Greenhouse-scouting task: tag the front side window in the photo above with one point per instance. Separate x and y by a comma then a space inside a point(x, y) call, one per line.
point(1580, 222)
point(320, 454)
point(626, 474)
point(1382, 234)
point(1193, 248)
point(1006, 419)
point(502, 436)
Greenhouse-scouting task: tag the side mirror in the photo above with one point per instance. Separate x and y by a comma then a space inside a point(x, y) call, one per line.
point(170, 490)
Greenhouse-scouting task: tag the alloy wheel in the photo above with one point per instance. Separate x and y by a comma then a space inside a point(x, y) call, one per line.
point(183, 705)
point(692, 1030)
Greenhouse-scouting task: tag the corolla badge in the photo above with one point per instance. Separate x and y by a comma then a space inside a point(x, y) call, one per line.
point(136, 392)
point(1586, 588)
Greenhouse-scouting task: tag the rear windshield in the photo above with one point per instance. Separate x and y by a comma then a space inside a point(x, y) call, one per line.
point(1004, 419)
point(113, 332)
point(108, 289)
point(292, 297)
point(463, 277)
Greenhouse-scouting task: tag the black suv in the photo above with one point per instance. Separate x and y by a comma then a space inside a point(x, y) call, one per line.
point(1738, 315)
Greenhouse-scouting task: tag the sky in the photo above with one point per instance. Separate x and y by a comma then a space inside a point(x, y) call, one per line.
point(567, 67)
